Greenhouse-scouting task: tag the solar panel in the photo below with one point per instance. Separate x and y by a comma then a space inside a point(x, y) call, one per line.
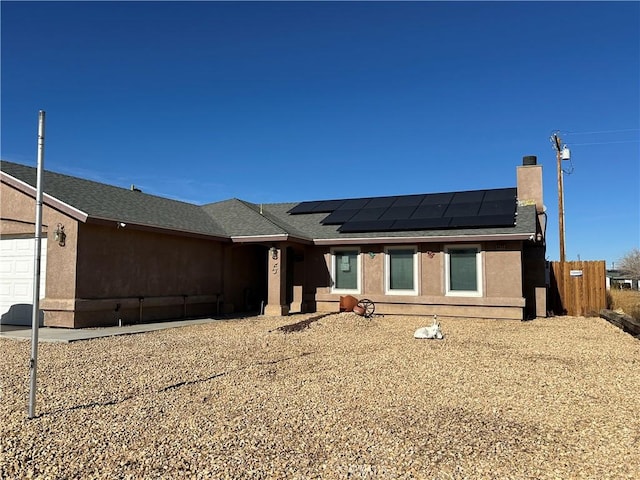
point(485, 221)
point(500, 194)
point(397, 213)
point(303, 207)
point(437, 199)
point(408, 200)
point(371, 226)
point(328, 206)
point(338, 216)
point(354, 203)
point(498, 207)
point(429, 211)
point(468, 209)
point(381, 202)
point(421, 224)
point(474, 196)
point(462, 209)
point(367, 214)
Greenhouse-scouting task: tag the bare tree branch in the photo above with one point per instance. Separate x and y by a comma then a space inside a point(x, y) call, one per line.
point(630, 263)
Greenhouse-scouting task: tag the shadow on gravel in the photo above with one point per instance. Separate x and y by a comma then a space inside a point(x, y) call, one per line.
point(301, 325)
point(191, 382)
point(168, 388)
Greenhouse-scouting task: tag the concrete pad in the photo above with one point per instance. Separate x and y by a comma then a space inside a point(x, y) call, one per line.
point(67, 335)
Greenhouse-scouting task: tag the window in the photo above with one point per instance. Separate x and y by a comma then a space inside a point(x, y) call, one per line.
point(345, 269)
point(463, 271)
point(401, 270)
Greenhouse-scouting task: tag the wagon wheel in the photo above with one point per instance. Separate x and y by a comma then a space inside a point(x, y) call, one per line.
point(368, 306)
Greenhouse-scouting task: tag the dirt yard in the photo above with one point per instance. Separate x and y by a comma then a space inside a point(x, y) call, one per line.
point(346, 397)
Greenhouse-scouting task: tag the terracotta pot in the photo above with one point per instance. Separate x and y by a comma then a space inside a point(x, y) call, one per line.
point(347, 302)
point(358, 310)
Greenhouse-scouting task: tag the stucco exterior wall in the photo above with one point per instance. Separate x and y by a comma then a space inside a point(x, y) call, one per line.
point(431, 270)
point(503, 270)
point(17, 211)
point(529, 181)
point(316, 275)
point(124, 262)
point(244, 277)
point(372, 260)
point(502, 291)
point(128, 275)
point(296, 256)
point(534, 280)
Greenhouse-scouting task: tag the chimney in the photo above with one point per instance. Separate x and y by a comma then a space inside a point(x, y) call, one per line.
point(529, 177)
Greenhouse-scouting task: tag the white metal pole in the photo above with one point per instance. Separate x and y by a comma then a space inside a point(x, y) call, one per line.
point(35, 318)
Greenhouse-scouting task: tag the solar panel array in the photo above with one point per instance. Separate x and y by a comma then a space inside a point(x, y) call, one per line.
point(469, 209)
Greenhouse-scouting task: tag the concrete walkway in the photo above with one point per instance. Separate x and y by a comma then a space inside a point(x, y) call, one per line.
point(67, 335)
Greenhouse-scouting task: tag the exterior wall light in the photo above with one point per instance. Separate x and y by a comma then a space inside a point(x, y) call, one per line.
point(274, 253)
point(59, 235)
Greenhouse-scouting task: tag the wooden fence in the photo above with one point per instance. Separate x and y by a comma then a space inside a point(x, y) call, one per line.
point(578, 288)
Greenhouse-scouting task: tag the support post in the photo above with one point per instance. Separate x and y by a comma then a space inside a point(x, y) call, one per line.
point(35, 318)
point(277, 283)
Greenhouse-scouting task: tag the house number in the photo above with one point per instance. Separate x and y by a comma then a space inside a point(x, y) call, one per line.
point(274, 270)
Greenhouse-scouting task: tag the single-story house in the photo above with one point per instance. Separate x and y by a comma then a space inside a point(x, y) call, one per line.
point(622, 280)
point(115, 255)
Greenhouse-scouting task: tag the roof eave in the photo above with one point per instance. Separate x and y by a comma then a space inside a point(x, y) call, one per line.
point(269, 238)
point(46, 198)
point(153, 228)
point(500, 237)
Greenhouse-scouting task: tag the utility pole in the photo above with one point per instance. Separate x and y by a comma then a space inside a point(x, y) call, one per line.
point(555, 139)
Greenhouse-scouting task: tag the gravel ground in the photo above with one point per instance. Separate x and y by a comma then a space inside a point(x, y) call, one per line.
point(346, 397)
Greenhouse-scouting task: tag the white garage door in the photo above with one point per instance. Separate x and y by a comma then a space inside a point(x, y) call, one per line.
point(16, 279)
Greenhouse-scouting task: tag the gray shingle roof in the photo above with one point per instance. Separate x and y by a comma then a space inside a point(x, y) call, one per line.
point(310, 224)
point(101, 201)
point(239, 219)
point(229, 218)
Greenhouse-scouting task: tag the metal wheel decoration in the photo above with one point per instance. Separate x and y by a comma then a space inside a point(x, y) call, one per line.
point(368, 306)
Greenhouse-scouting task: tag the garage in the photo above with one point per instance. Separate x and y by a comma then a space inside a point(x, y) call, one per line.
point(16, 279)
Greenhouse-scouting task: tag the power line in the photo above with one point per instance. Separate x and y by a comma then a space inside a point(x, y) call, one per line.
point(604, 131)
point(605, 143)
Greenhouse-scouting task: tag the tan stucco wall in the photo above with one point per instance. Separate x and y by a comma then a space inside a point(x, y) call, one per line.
point(244, 277)
point(318, 271)
point(372, 261)
point(316, 275)
point(503, 270)
point(124, 262)
point(286, 277)
point(529, 182)
point(501, 283)
point(132, 275)
point(296, 257)
point(17, 211)
point(277, 268)
point(431, 269)
point(535, 280)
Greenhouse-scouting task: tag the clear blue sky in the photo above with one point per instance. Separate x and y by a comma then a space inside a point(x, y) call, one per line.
point(292, 101)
